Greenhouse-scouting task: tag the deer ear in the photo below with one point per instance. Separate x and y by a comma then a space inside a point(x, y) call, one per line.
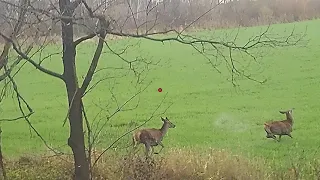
point(167, 118)
point(162, 118)
point(282, 112)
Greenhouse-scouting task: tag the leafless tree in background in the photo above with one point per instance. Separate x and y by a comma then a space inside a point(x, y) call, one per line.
point(31, 25)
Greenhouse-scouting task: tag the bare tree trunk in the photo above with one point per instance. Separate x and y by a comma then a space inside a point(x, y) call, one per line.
point(76, 139)
point(4, 174)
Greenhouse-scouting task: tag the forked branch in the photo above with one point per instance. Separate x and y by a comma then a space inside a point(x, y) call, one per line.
point(16, 29)
point(26, 57)
point(211, 48)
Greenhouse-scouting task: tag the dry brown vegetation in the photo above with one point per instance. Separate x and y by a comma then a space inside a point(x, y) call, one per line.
point(175, 164)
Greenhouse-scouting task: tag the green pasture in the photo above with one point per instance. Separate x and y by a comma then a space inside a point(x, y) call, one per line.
point(207, 110)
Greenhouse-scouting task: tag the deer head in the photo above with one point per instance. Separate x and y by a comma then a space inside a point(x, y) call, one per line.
point(288, 113)
point(167, 121)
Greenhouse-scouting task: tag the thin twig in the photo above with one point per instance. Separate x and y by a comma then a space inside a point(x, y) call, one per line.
point(128, 132)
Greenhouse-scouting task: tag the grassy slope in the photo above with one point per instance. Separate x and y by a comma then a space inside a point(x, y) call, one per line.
point(208, 112)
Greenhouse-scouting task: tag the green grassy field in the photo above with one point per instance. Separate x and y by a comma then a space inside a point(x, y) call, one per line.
point(207, 110)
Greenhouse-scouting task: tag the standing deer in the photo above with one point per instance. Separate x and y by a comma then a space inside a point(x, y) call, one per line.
point(152, 137)
point(280, 128)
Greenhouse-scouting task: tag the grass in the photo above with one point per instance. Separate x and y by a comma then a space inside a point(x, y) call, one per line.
point(207, 110)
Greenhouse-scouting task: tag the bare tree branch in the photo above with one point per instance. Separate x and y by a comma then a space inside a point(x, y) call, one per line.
point(80, 40)
point(16, 29)
point(25, 116)
point(117, 110)
point(75, 4)
point(14, 64)
point(49, 72)
point(94, 63)
point(128, 132)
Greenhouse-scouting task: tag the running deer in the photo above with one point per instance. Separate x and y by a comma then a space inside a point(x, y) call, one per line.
point(280, 128)
point(152, 137)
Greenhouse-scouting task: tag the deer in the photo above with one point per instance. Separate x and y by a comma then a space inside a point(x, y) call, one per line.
point(280, 128)
point(151, 137)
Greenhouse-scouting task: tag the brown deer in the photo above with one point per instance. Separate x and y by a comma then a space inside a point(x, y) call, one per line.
point(280, 128)
point(152, 137)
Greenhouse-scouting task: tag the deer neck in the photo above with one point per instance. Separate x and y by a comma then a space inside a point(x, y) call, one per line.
point(289, 118)
point(164, 129)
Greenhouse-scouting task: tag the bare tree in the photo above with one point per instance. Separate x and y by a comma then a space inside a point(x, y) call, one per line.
point(140, 23)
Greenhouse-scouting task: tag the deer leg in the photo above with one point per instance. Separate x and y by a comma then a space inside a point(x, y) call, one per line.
point(135, 145)
point(273, 137)
point(289, 135)
point(152, 149)
point(270, 135)
point(148, 147)
point(280, 137)
point(269, 132)
point(135, 149)
point(162, 146)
